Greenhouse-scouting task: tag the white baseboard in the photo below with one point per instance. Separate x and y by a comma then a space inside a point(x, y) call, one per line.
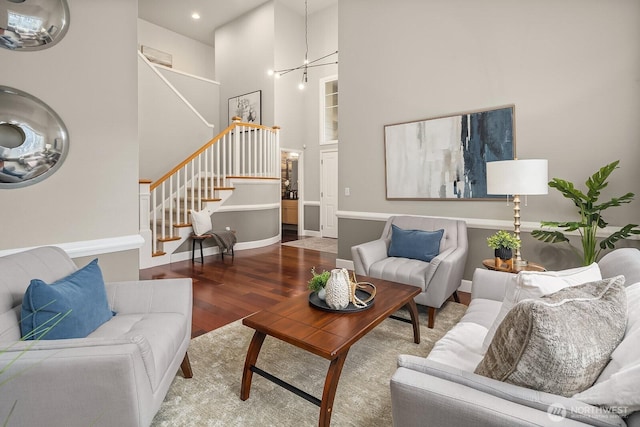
point(214, 250)
point(344, 263)
point(465, 286)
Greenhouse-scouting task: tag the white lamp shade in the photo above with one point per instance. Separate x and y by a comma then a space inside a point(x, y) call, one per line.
point(521, 177)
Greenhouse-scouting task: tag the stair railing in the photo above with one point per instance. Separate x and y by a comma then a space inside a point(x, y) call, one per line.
point(241, 150)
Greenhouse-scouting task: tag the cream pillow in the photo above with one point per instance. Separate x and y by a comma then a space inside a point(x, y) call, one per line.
point(534, 284)
point(617, 387)
point(201, 222)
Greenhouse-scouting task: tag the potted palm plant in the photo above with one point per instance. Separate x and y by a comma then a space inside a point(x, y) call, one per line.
point(590, 210)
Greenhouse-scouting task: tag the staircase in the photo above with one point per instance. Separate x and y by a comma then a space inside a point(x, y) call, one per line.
point(203, 181)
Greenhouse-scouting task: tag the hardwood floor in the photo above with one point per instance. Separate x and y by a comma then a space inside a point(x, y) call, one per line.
point(230, 289)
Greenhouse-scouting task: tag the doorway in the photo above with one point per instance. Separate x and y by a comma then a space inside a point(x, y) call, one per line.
point(292, 218)
point(329, 193)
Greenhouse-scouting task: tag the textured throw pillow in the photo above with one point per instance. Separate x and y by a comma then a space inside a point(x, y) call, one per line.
point(201, 222)
point(617, 387)
point(533, 284)
point(415, 244)
point(559, 343)
point(72, 307)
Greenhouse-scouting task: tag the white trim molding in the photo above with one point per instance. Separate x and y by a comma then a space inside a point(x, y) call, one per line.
point(91, 247)
point(479, 223)
point(242, 208)
point(193, 76)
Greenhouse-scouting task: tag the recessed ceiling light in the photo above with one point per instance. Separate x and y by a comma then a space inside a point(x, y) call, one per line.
point(195, 15)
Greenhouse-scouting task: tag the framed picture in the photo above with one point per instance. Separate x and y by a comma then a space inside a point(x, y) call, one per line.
point(157, 56)
point(248, 107)
point(444, 158)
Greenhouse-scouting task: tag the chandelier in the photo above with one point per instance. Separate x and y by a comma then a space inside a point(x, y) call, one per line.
point(306, 64)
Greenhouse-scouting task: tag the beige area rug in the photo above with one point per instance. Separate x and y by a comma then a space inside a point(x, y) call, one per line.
point(363, 398)
point(321, 244)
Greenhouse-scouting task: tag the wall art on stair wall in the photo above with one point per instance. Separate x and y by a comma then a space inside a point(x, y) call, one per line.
point(444, 158)
point(248, 107)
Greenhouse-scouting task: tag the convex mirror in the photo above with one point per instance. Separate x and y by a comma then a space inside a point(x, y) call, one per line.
point(33, 139)
point(32, 24)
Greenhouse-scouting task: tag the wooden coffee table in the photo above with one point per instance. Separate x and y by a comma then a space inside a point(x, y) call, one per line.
point(326, 334)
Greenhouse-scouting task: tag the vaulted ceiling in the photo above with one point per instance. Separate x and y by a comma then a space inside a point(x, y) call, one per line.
point(176, 15)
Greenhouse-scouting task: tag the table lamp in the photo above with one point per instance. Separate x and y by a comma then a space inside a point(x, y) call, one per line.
point(517, 178)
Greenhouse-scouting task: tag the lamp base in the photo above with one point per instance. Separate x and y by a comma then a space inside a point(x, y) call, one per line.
point(520, 262)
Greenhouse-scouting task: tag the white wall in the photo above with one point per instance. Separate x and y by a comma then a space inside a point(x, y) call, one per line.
point(280, 34)
point(288, 53)
point(202, 94)
point(188, 55)
point(168, 130)
point(572, 69)
point(323, 39)
point(89, 79)
point(244, 51)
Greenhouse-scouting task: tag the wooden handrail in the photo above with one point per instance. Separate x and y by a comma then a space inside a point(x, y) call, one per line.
point(207, 145)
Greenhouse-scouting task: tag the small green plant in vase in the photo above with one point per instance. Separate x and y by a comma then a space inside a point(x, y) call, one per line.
point(318, 282)
point(503, 244)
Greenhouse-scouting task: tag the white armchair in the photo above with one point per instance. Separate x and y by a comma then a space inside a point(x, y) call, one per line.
point(439, 279)
point(117, 376)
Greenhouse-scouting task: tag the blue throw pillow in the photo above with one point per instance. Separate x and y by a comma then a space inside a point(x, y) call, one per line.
point(72, 307)
point(415, 244)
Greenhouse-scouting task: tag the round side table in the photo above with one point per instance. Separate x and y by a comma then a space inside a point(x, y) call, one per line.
point(531, 266)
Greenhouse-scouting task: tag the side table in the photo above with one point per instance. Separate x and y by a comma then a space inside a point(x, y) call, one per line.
point(531, 266)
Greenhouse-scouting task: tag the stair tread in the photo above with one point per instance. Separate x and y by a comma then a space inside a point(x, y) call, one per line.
point(168, 239)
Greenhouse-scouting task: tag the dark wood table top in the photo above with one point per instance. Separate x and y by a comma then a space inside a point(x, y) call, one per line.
point(324, 333)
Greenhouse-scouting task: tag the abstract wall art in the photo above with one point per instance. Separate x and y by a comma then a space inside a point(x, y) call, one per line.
point(444, 158)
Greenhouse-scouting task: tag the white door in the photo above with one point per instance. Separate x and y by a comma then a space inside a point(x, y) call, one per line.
point(329, 193)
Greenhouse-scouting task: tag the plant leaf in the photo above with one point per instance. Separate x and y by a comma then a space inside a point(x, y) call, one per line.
point(549, 236)
point(598, 180)
point(623, 233)
point(568, 226)
point(569, 191)
point(616, 201)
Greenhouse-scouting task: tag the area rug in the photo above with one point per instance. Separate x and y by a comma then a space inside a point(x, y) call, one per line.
point(363, 398)
point(321, 244)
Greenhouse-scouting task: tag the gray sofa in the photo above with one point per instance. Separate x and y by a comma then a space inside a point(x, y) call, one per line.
point(117, 376)
point(426, 392)
point(438, 279)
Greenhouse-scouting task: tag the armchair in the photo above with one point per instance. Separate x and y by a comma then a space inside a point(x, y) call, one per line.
point(439, 279)
point(118, 375)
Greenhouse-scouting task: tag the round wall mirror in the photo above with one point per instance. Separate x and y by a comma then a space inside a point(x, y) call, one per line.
point(32, 24)
point(33, 139)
